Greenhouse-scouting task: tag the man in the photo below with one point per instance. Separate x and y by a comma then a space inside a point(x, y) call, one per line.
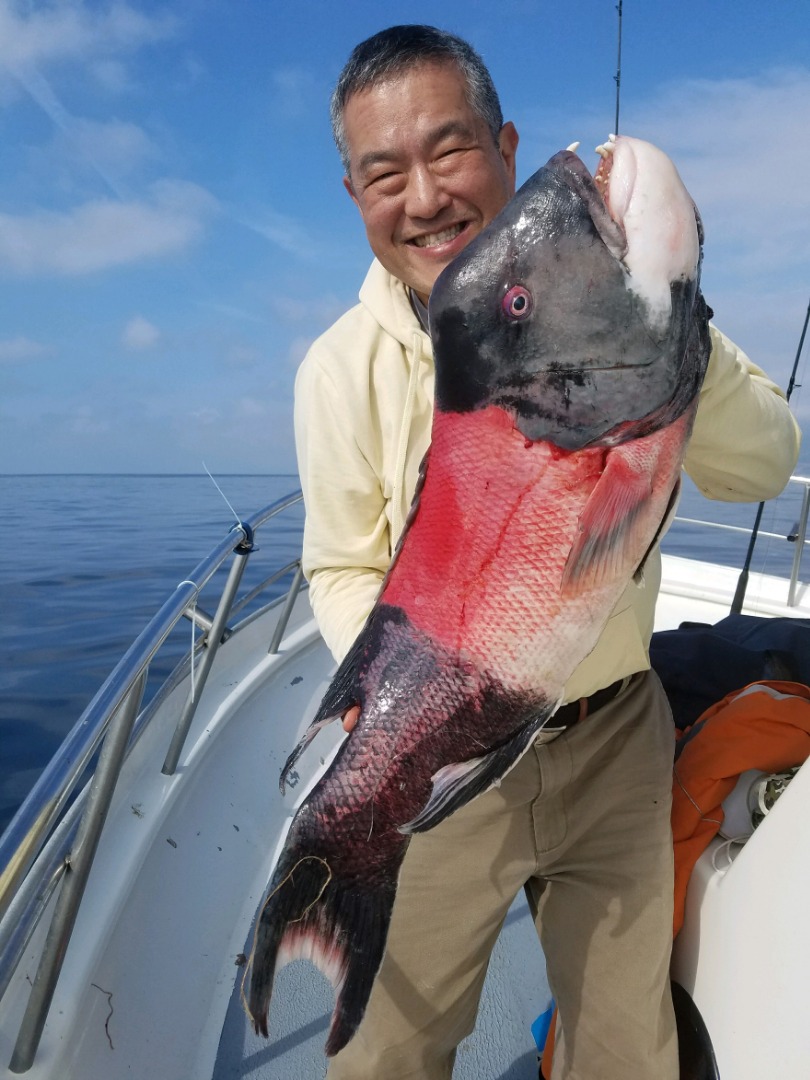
point(583, 821)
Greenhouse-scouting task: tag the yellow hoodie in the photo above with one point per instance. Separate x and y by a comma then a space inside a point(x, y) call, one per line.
point(363, 411)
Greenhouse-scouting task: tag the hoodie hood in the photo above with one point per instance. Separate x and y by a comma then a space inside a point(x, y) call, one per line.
point(386, 299)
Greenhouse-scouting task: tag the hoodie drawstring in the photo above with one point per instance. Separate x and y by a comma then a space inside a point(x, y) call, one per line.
point(404, 434)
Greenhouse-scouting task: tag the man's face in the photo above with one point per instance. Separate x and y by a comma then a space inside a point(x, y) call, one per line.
point(425, 172)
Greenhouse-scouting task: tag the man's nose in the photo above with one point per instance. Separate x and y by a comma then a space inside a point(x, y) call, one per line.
point(424, 195)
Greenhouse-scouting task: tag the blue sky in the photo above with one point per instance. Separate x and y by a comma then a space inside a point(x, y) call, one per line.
point(174, 232)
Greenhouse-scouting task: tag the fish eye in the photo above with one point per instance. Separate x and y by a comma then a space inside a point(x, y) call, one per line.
point(517, 303)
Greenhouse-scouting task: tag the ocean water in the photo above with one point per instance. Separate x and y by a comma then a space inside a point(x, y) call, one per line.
point(85, 561)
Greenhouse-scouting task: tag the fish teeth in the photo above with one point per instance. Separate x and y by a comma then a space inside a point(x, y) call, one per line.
point(605, 149)
point(573, 147)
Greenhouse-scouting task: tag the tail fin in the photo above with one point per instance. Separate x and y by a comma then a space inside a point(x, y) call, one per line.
point(340, 926)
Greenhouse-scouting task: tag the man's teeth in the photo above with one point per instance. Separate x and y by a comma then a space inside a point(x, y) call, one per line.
point(432, 239)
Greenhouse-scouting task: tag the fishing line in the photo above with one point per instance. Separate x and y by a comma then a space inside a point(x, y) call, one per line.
point(284, 880)
point(724, 849)
point(222, 493)
point(687, 793)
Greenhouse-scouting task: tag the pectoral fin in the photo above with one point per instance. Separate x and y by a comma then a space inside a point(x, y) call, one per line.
point(456, 785)
point(607, 525)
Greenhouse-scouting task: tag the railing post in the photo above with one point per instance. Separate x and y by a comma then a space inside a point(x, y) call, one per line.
point(284, 617)
point(78, 871)
point(801, 533)
point(215, 634)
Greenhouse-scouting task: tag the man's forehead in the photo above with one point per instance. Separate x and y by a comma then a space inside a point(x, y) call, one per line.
point(376, 130)
point(414, 70)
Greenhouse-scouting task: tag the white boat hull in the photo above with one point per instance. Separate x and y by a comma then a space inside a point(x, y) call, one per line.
point(149, 985)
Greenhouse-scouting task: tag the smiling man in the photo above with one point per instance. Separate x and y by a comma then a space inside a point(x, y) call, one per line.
point(581, 822)
point(425, 170)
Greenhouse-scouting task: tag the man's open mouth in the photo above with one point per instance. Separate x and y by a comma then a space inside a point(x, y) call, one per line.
point(434, 239)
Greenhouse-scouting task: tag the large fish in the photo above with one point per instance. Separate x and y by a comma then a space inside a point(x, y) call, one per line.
point(570, 342)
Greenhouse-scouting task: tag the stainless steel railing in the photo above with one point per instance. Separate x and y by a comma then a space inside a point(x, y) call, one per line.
point(796, 534)
point(112, 720)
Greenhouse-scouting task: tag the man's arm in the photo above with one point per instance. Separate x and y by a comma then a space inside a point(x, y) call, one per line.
point(745, 442)
point(346, 535)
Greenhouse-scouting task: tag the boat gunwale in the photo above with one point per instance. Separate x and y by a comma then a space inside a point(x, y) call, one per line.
point(41, 834)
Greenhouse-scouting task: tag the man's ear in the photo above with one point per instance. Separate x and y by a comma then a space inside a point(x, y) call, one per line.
point(348, 185)
point(507, 144)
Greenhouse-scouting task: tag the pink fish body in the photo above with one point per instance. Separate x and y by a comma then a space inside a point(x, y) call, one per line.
point(495, 580)
point(570, 341)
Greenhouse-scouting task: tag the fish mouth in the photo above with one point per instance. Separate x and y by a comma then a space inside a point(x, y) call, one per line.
point(441, 236)
point(595, 193)
point(601, 176)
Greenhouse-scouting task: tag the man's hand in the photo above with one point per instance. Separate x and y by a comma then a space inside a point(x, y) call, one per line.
point(350, 718)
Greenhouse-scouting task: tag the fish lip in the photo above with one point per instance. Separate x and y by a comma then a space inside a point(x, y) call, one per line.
point(573, 171)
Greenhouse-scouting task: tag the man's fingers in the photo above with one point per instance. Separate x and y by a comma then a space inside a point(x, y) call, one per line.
point(350, 718)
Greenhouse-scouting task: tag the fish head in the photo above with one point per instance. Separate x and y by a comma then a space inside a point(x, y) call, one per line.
point(578, 308)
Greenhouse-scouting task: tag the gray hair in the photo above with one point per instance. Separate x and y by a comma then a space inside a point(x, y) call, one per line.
point(392, 51)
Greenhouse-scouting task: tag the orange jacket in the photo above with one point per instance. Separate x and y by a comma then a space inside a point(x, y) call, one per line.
point(764, 726)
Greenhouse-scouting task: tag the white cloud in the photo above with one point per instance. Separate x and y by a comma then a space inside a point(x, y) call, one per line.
point(294, 89)
point(115, 145)
point(35, 35)
point(252, 407)
point(139, 333)
point(104, 233)
point(206, 416)
point(20, 349)
point(740, 146)
point(243, 357)
point(296, 309)
point(112, 75)
point(115, 150)
point(112, 148)
point(86, 421)
point(297, 350)
point(284, 232)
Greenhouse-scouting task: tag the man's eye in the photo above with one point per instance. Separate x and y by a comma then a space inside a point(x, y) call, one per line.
point(448, 157)
point(386, 179)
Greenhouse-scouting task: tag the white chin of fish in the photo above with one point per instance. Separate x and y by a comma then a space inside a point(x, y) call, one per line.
point(647, 197)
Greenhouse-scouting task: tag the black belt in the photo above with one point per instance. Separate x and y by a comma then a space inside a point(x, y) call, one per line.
point(576, 711)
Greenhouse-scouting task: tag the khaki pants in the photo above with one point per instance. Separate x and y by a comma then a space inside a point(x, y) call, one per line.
point(584, 823)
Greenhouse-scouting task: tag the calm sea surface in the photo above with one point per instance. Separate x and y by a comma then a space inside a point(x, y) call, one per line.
point(85, 561)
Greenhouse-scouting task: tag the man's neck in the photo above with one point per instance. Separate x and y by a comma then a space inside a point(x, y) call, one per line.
point(420, 310)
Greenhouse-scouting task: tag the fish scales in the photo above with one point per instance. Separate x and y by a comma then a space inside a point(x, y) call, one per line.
point(570, 340)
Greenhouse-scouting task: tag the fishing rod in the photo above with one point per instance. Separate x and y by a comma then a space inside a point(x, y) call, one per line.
point(617, 78)
point(742, 582)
